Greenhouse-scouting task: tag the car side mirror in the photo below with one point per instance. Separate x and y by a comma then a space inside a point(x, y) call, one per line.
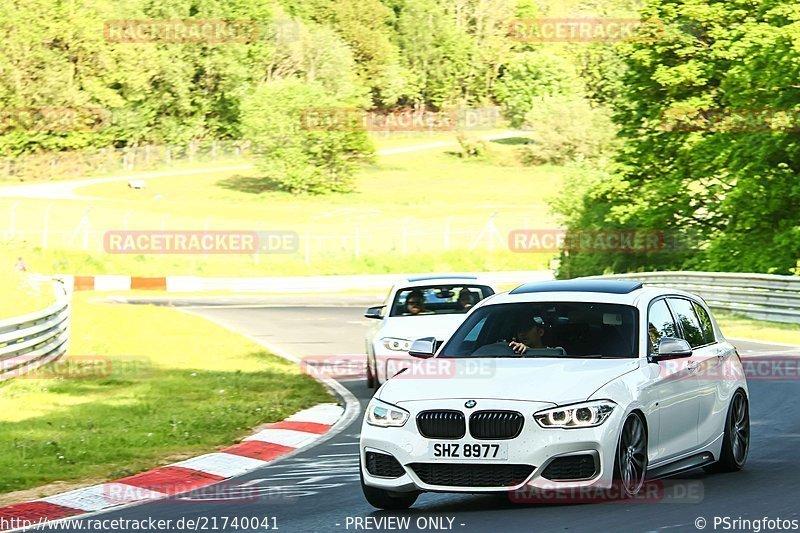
point(374, 312)
point(671, 348)
point(423, 348)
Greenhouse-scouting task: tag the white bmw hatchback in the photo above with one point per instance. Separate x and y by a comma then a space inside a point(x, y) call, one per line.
point(423, 306)
point(562, 384)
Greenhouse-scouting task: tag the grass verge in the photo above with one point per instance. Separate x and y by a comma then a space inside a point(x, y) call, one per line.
point(733, 325)
point(169, 385)
point(425, 211)
point(21, 295)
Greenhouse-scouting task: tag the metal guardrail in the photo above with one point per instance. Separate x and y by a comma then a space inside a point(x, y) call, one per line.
point(761, 296)
point(32, 340)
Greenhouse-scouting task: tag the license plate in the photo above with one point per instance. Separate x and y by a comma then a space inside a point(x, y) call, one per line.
point(469, 451)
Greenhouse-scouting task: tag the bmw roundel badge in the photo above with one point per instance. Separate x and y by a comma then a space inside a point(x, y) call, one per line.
point(470, 404)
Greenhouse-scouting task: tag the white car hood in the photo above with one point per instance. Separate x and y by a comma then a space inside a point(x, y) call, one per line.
point(416, 327)
point(553, 380)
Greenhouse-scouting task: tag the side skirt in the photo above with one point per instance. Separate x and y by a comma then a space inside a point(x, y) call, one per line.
point(681, 465)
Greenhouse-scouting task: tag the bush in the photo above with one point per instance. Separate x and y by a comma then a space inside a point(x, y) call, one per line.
point(567, 128)
point(299, 155)
point(471, 147)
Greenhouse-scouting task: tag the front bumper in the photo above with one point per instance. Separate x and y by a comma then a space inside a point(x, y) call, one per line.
point(534, 447)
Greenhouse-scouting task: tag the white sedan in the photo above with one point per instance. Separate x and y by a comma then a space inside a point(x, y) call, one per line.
point(576, 385)
point(425, 306)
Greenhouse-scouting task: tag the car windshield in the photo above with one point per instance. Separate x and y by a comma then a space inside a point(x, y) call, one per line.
point(438, 299)
point(546, 329)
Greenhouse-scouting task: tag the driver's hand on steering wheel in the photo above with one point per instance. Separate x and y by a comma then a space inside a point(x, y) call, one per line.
point(518, 347)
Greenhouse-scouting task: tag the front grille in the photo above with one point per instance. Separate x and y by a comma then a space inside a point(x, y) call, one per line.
point(571, 467)
point(471, 475)
point(441, 424)
point(495, 424)
point(383, 465)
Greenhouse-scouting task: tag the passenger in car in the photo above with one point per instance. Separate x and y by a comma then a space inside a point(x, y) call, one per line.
point(465, 300)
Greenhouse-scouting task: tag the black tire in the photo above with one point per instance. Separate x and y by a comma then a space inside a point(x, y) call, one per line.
point(384, 499)
point(630, 465)
point(736, 439)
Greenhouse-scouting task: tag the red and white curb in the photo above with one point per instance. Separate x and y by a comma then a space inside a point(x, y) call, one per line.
point(279, 439)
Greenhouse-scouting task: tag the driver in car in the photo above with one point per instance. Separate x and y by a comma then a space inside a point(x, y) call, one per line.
point(529, 335)
point(415, 303)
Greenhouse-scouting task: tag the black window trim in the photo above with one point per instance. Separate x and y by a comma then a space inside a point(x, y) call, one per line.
point(680, 326)
point(647, 318)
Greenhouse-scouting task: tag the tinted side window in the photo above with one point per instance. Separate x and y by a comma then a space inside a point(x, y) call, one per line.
point(687, 318)
point(660, 324)
point(705, 324)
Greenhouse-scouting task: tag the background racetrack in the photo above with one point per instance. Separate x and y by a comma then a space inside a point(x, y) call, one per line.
point(318, 489)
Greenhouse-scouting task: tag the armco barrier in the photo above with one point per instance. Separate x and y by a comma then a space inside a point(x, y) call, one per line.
point(761, 296)
point(35, 339)
point(276, 284)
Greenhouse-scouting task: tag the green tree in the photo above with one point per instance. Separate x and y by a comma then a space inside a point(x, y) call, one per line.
point(530, 76)
point(730, 191)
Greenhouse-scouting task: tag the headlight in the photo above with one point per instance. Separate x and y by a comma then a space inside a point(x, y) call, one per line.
point(583, 415)
point(397, 345)
point(385, 415)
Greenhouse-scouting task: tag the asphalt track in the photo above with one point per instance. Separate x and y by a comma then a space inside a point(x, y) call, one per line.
point(318, 489)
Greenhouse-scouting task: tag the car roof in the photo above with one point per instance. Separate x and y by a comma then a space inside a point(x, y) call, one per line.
point(426, 281)
point(440, 277)
point(633, 293)
point(580, 285)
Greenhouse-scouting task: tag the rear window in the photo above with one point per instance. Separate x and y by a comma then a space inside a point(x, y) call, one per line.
point(438, 299)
